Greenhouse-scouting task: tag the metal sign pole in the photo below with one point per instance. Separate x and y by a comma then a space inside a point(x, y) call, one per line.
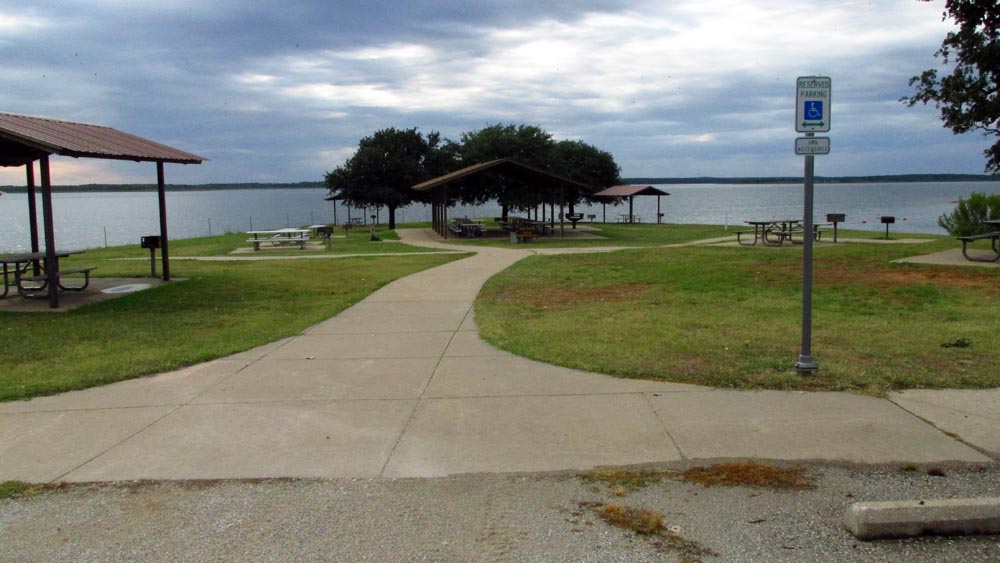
point(806, 364)
point(812, 115)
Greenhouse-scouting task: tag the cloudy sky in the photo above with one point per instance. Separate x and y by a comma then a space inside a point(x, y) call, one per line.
point(283, 91)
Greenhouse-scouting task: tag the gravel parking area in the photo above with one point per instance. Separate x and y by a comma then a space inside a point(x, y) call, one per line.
point(526, 517)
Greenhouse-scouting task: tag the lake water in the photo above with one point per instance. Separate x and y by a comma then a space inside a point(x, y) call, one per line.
point(93, 219)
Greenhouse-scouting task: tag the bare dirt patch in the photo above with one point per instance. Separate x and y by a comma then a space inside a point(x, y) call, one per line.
point(888, 278)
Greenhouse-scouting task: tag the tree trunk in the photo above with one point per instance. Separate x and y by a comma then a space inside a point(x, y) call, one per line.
point(392, 217)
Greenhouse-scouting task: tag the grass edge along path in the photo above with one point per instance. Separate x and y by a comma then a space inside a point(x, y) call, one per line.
point(217, 310)
point(729, 317)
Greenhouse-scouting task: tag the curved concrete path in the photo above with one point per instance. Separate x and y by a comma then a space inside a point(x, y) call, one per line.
point(400, 385)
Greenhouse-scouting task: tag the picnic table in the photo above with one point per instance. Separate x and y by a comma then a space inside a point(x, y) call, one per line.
point(525, 230)
point(20, 264)
point(279, 237)
point(993, 237)
point(774, 232)
point(626, 218)
point(466, 227)
point(321, 231)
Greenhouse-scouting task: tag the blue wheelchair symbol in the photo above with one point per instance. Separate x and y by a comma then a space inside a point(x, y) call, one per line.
point(814, 110)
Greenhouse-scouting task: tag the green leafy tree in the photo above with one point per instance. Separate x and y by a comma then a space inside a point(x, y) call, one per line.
point(527, 144)
point(585, 163)
point(969, 97)
point(968, 217)
point(386, 165)
point(531, 145)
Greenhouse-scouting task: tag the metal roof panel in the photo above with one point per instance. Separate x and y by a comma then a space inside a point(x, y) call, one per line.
point(74, 139)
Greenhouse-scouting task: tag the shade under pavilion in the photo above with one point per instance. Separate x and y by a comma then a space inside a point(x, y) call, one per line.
point(506, 167)
point(632, 190)
point(25, 139)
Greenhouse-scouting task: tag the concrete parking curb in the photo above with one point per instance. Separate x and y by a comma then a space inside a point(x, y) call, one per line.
point(913, 518)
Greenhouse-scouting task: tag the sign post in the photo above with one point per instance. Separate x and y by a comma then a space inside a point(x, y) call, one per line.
point(812, 115)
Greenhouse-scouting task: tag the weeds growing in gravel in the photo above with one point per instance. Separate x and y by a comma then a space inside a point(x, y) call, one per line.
point(749, 474)
point(649, 524)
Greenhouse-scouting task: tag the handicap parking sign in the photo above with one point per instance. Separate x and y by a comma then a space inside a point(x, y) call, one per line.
point(813, 110)
point(812, 104)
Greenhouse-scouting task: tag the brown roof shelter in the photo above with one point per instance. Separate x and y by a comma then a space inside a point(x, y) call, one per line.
point(25, 139)
point(506, 167)
point(630, 191)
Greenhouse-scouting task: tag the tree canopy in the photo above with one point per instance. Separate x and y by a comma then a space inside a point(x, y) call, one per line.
point(386, 164)
point(969, 97)
point(390, 161)
point(533, 146)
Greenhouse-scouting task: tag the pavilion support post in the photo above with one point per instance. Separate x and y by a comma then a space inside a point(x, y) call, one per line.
point(444, 214)
point(51, 264)
point(562, 210)
point(658, 215)
point(161, 192)
point(631, 215)
point(435, 209)
point(33, 216)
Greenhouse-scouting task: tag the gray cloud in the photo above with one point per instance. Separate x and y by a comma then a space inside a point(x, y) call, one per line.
point(283, 91)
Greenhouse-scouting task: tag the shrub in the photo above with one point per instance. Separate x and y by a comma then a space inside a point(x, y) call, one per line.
point(967, 218)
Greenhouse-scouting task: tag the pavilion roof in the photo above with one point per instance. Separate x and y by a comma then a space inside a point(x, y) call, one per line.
point(506, 166)
point(628, 190)
point(24, 139)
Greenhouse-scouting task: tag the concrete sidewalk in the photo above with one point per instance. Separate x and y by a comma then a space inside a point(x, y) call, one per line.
point(401, 385)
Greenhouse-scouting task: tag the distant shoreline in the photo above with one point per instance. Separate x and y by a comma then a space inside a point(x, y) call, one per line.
point(885, 179)
point(170, 187)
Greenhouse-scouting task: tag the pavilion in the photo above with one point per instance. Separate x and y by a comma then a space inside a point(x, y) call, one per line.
point(505, 168)
point(630, 191)
point(25, 139)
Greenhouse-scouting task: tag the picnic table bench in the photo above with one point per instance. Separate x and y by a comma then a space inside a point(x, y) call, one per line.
point(19, 264)
point(993, 238)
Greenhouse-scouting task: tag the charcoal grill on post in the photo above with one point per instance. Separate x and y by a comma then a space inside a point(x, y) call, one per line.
point(835, 218)
point(152, 242)
point(574, 218)
point(887, 220)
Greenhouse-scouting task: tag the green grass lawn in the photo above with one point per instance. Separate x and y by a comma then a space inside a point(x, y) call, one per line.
point(719, 316)
point(220, 308)
point(730, 317)
point(357, 241)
